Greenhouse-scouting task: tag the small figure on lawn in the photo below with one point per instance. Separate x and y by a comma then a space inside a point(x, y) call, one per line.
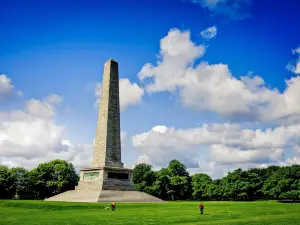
point(201, 208)
point(113, 206)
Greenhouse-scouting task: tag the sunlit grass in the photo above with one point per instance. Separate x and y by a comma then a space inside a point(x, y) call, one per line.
point(40, 212)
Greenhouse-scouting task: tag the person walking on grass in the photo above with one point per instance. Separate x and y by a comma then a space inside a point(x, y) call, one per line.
point(113, 206)
point(201, 208)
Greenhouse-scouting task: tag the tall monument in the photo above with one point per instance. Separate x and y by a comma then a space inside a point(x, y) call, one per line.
point(107, 147)
point(106, 167)
point(106, 179)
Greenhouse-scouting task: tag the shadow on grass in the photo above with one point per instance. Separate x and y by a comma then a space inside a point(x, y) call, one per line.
point(289, 201)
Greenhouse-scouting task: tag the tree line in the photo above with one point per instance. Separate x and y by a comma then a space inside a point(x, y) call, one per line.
point(175, 183)
point(171, 183)
point(44, 181)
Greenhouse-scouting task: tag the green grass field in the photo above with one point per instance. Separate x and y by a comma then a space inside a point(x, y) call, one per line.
point(187, 213)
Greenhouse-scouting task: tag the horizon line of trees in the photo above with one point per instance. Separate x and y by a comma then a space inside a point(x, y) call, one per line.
point(171, 183)
point(175, 183)
point(46, 180)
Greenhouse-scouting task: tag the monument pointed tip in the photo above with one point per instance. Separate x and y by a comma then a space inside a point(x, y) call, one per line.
point(111, 60)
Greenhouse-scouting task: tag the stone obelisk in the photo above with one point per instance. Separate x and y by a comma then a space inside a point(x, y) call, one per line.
point(106, 179)
point(107, 170)
point(107, 146)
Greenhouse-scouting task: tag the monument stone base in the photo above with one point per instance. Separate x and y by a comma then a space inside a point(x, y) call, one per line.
point(105, 184)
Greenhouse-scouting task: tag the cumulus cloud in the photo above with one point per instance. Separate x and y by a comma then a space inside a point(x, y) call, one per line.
point(7, 89)
point(28, 139)
point(130, 94)
point(221, 146)
point(232, 9)
point(212, 87)
point(31, 135)
point(209, 33)
point(44, 108)
point(295, 68)
point(177, 53)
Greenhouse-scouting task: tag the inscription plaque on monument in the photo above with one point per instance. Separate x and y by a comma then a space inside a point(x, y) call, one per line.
point(90, 175)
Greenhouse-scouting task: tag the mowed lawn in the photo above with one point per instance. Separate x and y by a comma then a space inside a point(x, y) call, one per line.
point(187, 213)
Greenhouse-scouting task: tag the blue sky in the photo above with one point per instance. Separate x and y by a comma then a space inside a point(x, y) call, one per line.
point(59, 47)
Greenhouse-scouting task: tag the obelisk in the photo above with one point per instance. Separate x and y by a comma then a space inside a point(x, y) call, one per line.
point(106, 180)
point(106, 171)
point(107, 146)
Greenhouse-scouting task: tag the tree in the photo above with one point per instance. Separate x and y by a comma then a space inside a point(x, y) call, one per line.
point(52, 178)
point(161, 185)
point(22, 183)
point(176, 168)
point(293, 195)
point(180, 182)
point(179, 188)
point(283, 180)
point(200, 183)
point(139, 172)
point(7, 181)
point(143, 178)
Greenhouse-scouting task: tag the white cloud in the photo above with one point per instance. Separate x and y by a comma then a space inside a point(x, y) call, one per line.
point(130, 94)
point(54, 99)
point(177, 53)
point(208, 3)
point(227, 155)
point(209, 32)
point(295, 68)
point(232, 9)
point(44, 108)
point(7, 88)
point(143, 159)
point(28, 139)
point(216, 148)
point(212, 87)
point(31, 136)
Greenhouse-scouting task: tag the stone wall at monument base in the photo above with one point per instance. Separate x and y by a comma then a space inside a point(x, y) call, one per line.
point(110, 184)
point(118, 185)
point(106, 178)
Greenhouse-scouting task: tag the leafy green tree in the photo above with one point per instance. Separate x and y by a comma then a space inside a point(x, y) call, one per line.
point(283, 180)
point(179, 188)
point(200, 183)
point(52, 178)
point(139, 173)
point(162, 184)
point(22, 183)
point(241, 185)
point(7, 183)
point(176, 168)
point(213, 192)
point(180, 182)
point(292, 195)
point(144, 178)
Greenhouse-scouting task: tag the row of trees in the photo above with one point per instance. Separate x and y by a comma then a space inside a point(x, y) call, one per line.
point(171, 183)
point(175, 183)
point(46, 180)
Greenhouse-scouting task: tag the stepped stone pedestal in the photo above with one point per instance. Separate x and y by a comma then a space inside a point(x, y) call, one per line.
point(107, 179)
point(105, 184)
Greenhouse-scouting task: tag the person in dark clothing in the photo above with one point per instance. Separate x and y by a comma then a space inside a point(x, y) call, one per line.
point(113, 206)
point(201, 208)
